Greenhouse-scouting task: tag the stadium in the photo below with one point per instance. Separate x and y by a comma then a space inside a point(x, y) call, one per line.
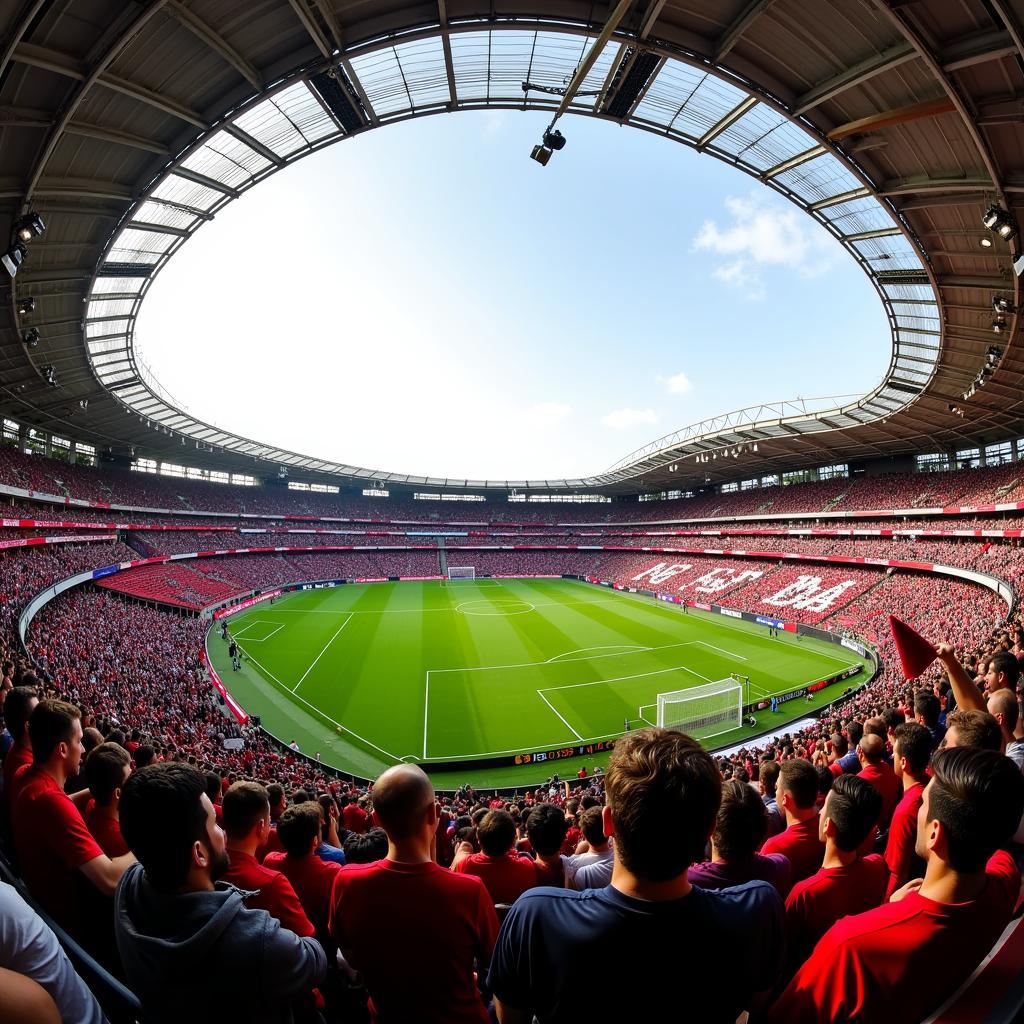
point(768, 660)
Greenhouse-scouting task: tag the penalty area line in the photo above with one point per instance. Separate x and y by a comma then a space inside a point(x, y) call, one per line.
point(560, 717)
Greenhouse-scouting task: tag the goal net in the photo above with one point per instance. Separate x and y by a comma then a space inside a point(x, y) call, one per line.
point(462, 572)
point(703, 711)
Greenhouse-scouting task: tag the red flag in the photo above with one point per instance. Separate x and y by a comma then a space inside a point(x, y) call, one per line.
point(916, 654)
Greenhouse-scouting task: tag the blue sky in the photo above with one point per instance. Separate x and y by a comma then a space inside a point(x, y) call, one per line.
point(426, 299)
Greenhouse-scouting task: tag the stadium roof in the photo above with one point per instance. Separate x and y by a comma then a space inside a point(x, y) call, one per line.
point(128, 126)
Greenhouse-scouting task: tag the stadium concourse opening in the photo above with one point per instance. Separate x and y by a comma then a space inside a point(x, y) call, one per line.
point(492, 680)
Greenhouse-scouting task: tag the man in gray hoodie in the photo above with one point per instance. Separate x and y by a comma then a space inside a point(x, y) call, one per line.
point(191, 949)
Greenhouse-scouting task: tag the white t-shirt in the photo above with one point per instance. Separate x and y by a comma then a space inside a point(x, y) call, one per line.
point(574, 866)
point(28, 946)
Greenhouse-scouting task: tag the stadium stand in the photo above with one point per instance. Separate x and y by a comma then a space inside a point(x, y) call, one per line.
point(134, 669)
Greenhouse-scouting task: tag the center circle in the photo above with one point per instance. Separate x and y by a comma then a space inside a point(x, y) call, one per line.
point(511, 606)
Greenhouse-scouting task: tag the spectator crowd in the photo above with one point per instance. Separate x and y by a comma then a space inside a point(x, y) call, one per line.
point(855, 869)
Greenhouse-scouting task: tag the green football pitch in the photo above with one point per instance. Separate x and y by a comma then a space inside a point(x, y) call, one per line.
point(371, 674)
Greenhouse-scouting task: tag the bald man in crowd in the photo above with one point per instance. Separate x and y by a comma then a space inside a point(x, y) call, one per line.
point(1002, 706)
point(413, 929)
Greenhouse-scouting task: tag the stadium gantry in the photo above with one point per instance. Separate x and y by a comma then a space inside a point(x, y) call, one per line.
point(895, 126)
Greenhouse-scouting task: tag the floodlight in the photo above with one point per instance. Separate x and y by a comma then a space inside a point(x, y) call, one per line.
point(28, 227)
point(30, 337)
point(50, 375)
point(999, 325)
point(13, 258)
point(554, 140)
point(999, 220)
point(985, 243)
point(26, 305)
point(83, 404)
point(541, 155)
point(1001, 304)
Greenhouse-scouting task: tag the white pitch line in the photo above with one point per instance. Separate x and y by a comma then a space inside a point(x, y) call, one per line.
point(556, 711)
point(262, 639)
point(426, 707)
point(322, 653)
point(730, 654)
point(625, 648)
point(313, 707)
point(621, 679)
point(537, 664)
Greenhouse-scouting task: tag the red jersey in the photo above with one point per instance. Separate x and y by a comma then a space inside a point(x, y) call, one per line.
point(816, 903)
point(52, 844)
point(507, 877)
point(899, 848)
point(271, 891)
point(274, 844)
point(883, 778)
point(312, 879)
point(550, 875)
point(18, 754)
point(355, 819)
point(105, 829)
point(801, 845)
point(572, 840)
point(900, 961)
point(17, 780)
point(419, 923)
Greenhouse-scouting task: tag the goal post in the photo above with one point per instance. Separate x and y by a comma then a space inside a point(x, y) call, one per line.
point(703, 711)
point(462, 572)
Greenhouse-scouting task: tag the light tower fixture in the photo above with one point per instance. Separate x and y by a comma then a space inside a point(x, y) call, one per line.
point(26, 305)
point(13, 258)
point(28, 227)
point(1001, 304)
point(1000, 221)
point(30, 338)
point(552, 142)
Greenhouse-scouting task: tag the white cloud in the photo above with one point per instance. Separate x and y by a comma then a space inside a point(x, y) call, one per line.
point(763, 235)
point(620, 419)
point(678, 384)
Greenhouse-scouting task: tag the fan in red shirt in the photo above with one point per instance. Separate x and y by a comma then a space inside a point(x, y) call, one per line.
point(413, 929)
point(106, 769)
point(247, 822)
point(797, 795)
point(911, 749)
point(875, 769)
point(310, 877)
point(506, 874)
point(846, 883)
point(53, 845)
point(354, 817)
point(17, 708)
point(899, 962)
point(546, 827)
point(275, 794)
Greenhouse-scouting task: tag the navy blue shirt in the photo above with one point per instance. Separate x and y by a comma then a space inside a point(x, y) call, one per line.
point(598, 954)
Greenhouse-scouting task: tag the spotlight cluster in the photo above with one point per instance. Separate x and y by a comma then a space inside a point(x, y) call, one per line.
point(23, 230)
point(991, 361)
point(733, 451)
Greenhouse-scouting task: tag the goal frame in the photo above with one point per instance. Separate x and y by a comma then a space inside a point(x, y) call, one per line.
point(727, 718)
point(466, 572)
